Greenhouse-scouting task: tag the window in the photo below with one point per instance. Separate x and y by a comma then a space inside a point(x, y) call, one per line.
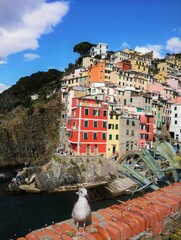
point(117, 117)
point(104, 124)
point(131, 100)
point(117, 137)
point(132, 132)
point(133, 123)
point(127, 122)
point(109, 126)
point(95, 124)
point(104, 113)
point(110, 136)
point(85, 123)
point(111, 116)
point(86, 111)
point(175, 121)
point(94, 136)
point(131, 145)
point(103, 136)
point(85, 135)
point(127, 145)
point(175, 114)
point(96, 112)
point(127, 132)
point(175, 108)
point(116, 126)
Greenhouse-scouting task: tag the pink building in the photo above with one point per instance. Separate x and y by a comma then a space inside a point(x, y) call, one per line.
point(162, 90)
point(177, 99)
point(175, 83)
point(146, 130)
point(155, 87)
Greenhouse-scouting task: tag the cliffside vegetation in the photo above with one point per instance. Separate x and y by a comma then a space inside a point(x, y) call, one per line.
point(42, 83)
point(29, 129)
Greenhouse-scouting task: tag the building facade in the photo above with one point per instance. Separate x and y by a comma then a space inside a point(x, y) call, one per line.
point(87, 126)
point(175, 124)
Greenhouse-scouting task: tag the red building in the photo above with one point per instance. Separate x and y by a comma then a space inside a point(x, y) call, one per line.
point(87, 126)
point(124, 65)
point(146, 130)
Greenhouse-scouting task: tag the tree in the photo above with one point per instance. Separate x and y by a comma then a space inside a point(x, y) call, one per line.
point(83, 47)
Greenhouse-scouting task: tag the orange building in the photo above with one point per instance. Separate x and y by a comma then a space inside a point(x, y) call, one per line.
point(100, 72)
point(96, 73)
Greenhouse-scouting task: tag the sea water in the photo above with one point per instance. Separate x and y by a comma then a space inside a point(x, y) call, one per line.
point(21, 213)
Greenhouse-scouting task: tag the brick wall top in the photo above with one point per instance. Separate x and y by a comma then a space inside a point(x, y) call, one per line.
point(143, 215)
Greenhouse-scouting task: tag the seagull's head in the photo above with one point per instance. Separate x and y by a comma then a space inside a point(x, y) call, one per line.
point(82, 192)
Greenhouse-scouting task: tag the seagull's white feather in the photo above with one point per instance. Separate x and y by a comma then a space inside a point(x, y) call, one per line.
point(81, 211)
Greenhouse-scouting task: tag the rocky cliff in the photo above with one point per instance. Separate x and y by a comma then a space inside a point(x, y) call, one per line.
point(30, 134)
point(66, 173)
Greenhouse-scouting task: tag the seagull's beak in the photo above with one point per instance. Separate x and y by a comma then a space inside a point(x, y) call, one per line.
point(87, 196)
point(77, 193)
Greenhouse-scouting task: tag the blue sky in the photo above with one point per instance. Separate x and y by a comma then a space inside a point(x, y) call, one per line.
point(37, 35)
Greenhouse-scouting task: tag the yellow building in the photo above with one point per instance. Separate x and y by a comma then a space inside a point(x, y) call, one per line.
point(174, 60)
point(160, 77)
point(140, 65)
point(140, 62)
point(162, 68)
point(113, 134)
point(88, 61)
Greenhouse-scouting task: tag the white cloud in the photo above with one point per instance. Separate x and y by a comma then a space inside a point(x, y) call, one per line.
point(174, 45)
point(30, 57)
point(3, 62)
point(3, 87)
point(27, 21)
point(125, 45)
point(155, 48)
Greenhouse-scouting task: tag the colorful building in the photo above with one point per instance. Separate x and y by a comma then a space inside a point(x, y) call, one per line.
point(87, 126)
point(175, 124)
point(146, 133)
point(124, 65)
point(100, 72)
point(113, 143)
point(129, 132)
point(100, 49)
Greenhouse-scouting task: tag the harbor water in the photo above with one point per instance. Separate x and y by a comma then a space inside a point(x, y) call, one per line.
point(22, 213)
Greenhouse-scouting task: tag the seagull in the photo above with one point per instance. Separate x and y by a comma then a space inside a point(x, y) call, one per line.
point(81, 212)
